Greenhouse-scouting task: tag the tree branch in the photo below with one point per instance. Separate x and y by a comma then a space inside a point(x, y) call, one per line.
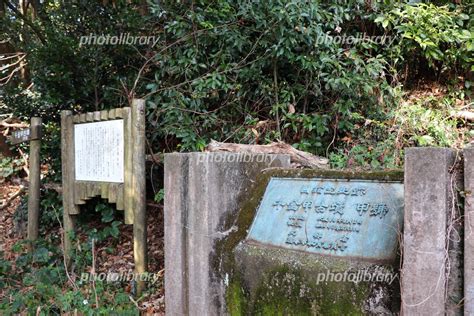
point(26, 20)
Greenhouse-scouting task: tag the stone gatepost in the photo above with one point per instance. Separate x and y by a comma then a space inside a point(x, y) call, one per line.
point(431, 251)
point(469, 231)
point(202, 195)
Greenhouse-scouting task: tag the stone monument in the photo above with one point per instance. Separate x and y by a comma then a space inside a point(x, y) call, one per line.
point(203, 194)
point(314, 242)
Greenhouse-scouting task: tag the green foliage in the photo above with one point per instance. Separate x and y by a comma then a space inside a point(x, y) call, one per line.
point(38, 278)
point(66, 75)
point(380, 155)
point(50, 154)
point(9, 167)
point(440, 34)
point(159, 196)
point(418, 121)
point(236, 70)
point(51, 210)
point(38, 281)
point(241, 64)
point(429, 122)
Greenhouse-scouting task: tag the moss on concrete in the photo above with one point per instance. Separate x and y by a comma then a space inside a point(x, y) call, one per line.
point(299, 295)
point(286, 291)
point(385, 175)
point(236, 298)
point(283, 292)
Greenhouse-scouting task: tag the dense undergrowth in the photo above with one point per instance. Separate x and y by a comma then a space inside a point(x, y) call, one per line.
point(235, 71)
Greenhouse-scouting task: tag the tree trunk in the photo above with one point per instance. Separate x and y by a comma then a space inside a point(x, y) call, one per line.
point(24, 73)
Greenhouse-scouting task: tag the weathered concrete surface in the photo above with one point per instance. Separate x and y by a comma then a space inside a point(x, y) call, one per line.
point(469, 231)
point(270, 280)
point(428, 199)
point(288, 282)
point(201, 193)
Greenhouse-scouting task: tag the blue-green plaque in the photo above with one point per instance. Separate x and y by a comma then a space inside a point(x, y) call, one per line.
point(338, 217)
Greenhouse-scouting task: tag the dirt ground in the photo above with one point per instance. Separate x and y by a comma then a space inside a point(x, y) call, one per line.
point(7, 234)
point(121, 260)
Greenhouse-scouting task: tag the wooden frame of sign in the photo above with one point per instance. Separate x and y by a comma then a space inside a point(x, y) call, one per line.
point(103, 154)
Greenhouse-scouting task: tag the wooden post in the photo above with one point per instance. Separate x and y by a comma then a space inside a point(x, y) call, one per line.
point(138, 194)
point(128, 165)
point(34, 178)
point(67, 157)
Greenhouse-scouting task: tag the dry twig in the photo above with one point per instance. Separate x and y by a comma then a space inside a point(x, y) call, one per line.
point(11, 198)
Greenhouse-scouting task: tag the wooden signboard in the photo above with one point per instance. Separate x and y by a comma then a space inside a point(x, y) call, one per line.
point(26, 135)
point(103, 154)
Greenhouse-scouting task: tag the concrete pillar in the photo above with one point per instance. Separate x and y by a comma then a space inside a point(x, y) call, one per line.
point(469, 231)
point(428, 199)
point(202, 196)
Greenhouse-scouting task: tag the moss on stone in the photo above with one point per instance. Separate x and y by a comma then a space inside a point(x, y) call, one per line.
point(285, 291)
point(236, 298)
point(384, 175)
point(301, 296)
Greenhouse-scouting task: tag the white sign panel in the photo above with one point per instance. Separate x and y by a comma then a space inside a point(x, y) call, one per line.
point(99, 151)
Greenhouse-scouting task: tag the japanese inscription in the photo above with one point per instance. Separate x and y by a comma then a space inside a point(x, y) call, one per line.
point(348, 218)
point(99, 151)
point(20, 136)
point(25, 135)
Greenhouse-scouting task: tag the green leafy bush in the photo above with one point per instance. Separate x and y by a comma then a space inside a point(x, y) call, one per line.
point(440, 34)
point(236, 70)
point(257, 72)
point(9, 166)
